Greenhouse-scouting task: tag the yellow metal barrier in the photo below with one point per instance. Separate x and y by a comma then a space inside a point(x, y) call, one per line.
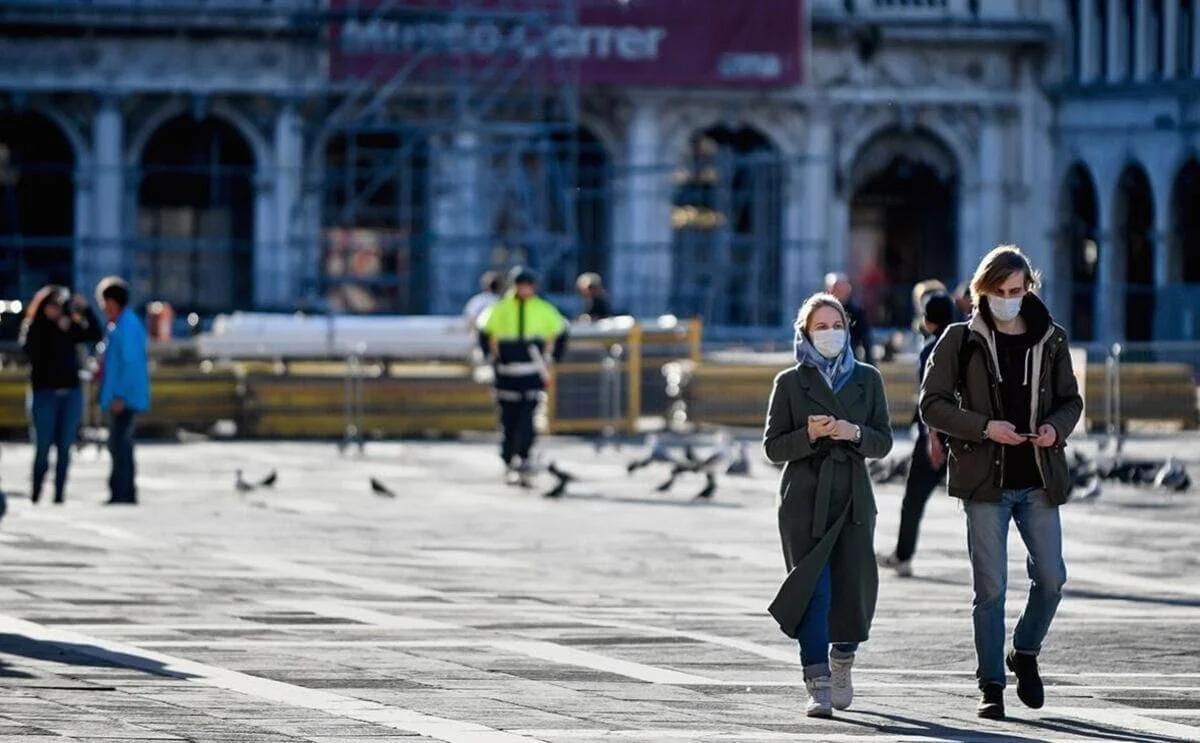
point(597, 387)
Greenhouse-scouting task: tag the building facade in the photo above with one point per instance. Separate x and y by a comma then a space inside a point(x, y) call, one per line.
point(204, 155)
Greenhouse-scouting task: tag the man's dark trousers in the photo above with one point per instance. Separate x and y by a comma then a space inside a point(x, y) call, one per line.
point(516, 419)
point(922, 480)
point(120, 446)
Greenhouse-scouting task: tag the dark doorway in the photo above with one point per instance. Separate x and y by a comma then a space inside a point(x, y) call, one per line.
point(1079, 250)
point(1134, 222)
point(727, 220)
point(904, 224)
point(1185, 222)
point(376, 229)
point(37, 205)
point(196, 217)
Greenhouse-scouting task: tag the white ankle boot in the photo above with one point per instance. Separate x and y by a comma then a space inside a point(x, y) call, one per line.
point(842, 691)
point(819, 703)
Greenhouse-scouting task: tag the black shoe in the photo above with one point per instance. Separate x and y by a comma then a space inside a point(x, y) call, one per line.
point(991, 706)
point(1029, 682)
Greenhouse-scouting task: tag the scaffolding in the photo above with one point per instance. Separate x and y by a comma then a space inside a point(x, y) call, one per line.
point(444, 145)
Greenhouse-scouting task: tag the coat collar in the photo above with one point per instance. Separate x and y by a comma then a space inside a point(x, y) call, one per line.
point(819, 392)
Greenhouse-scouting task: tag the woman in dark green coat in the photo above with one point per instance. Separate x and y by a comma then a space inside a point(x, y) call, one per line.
point(827, 416)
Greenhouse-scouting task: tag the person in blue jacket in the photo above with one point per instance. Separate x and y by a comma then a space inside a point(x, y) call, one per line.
point(124, 385)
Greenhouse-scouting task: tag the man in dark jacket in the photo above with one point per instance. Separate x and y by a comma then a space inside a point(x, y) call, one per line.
point(517, 334)
point(838, 284)
point(927, 467)
point(1002, 389)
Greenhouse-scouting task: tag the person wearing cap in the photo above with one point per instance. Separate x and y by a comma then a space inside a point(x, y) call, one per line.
point(928, 463)
point(519, 334)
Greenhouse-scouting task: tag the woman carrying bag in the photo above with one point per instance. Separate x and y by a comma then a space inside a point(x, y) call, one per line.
point(827, 416)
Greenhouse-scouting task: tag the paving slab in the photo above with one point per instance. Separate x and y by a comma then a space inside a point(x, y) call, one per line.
point(467, 611)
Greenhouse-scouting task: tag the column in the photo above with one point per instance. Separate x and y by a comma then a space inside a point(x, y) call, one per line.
point(459, 254)
point(642, 267)
point(1109, 319)
point(1195, 69)
point(1145, 44)
point(1170, 21)
point(1116, 66)
point(105, 253)
point(280, 268)
point(992, 227)
point(807, 228)
point(1087, 41)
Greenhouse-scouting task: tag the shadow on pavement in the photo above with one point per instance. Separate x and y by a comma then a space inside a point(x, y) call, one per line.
point(1096, 731)
point(7, 671)
point(909, 726)
point(1099, 595)
point(666, 500)
point(79, 655)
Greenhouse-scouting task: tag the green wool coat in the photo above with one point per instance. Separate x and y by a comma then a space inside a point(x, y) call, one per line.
point(826, 503)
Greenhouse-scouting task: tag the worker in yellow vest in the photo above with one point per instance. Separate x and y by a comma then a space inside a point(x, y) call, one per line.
point(520, 335)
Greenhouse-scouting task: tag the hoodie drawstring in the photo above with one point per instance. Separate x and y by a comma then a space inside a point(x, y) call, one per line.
point(1027, 366)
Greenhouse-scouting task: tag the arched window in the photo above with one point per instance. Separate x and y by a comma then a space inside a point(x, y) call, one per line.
point(1133, 218)
point(37, 205)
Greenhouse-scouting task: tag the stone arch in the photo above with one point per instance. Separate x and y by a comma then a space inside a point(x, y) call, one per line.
point(727, 218)
point(38, 164)
point(1079, 251)
point(151, 124)
point(680, 124)
point(1133, 255)
point(195, 215)
point(1184, 241)
point(904, 189)
point(884, 120)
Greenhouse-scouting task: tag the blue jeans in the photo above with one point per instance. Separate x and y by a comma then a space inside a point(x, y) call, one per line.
point(987, 544)
point(55, 416)
point(813, 632)
point(121, 484)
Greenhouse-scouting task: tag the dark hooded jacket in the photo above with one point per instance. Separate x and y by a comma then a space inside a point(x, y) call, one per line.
point(960, 401)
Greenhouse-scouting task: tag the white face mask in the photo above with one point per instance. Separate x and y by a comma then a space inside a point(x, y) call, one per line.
point(829, 343)
point(1005, 309)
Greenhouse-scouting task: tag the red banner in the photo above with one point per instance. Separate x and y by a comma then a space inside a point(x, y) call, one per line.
point(612, 42)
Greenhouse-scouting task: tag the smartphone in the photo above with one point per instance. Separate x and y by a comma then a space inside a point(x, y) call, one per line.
point(1028, 435)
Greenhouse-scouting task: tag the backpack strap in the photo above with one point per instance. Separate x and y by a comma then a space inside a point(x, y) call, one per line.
point(964, 355)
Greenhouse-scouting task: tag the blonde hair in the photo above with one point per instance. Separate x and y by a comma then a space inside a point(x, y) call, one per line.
point(997, 266)
point(814, 303)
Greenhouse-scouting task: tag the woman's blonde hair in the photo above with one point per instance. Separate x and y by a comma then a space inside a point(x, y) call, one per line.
point(814, 303)
point(997, 266)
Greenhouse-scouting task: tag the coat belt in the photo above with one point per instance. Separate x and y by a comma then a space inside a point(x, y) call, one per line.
point(839, 454)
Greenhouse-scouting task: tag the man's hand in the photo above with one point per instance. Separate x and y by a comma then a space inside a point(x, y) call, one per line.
point(1003, 432)
point(117, 406)
point(1046, 437)
point(820, 426)
point(844, 431)
point(937, 452)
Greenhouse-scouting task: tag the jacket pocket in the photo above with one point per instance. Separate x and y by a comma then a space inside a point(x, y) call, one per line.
point(970, 466)
point(1058, 474)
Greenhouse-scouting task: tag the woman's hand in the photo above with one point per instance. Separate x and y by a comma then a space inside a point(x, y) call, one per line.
point(844, 431)
point(820, 426)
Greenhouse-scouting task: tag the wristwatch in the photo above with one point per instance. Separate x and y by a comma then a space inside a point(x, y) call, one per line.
point(857, 433)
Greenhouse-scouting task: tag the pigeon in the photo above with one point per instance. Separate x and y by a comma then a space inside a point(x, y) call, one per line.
point(3, 504)
point(379, 488)
point(710, 487)
point(740, 466)
point(666, 484)
point(658, 453)
point(560, 474)
point(1172, 476)
point(556, 491)
point(269, 480)
point(241, 485)
point(1089, 491)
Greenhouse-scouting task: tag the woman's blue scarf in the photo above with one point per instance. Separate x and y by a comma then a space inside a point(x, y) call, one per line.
point(836, 371)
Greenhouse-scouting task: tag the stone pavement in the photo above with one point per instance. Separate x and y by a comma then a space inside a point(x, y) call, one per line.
point(466, 611)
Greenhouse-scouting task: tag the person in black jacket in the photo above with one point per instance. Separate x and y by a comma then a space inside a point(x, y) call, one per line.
point(838, 284)
point(55, 324)
point(928, 463)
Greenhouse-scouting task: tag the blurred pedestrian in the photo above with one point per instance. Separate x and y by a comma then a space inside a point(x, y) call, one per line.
point(927, 467)
point(491, 288)
point(838, 284)
point(1002, 389)
point(521, 334)
point(124, 385)
point(963, 301)
point(56, 324)
point(596, 305)
point(920, 291)
point(826, 416)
